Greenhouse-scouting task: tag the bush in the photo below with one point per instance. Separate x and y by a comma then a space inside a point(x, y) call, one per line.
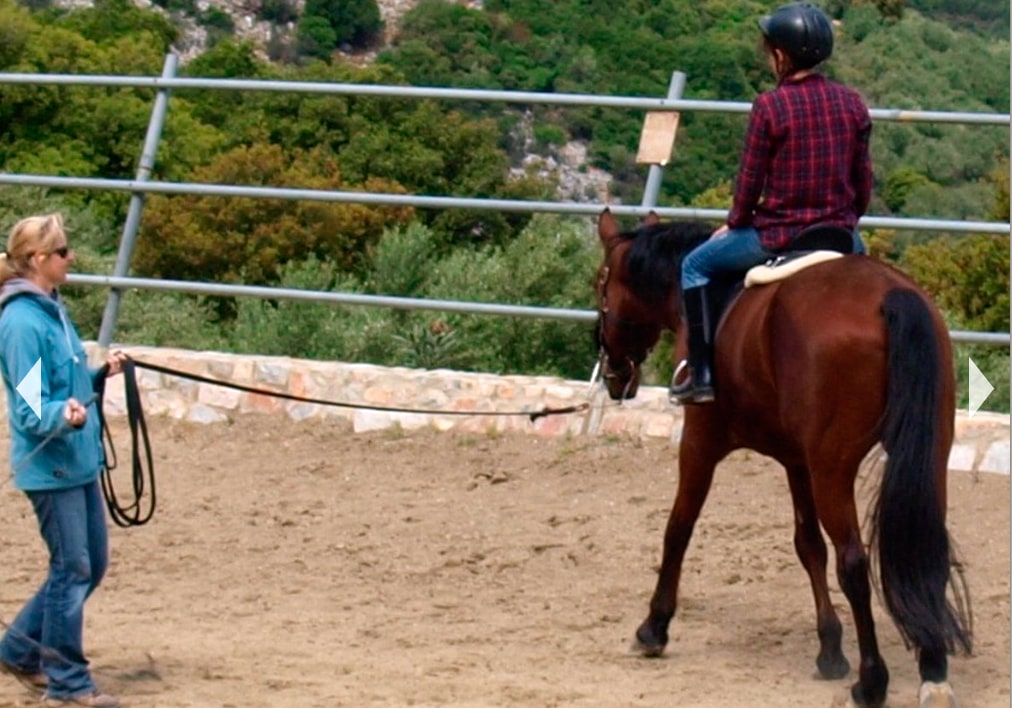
point(278, 11)
point(354, 22)
point(315, 38)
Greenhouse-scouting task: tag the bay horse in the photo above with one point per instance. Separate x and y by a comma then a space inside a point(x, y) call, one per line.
point(813, 371)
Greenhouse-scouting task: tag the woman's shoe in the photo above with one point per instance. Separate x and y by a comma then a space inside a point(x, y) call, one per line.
point(34, 681)
point(95, 699)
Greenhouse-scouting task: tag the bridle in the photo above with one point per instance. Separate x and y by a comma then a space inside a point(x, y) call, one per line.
point(605, 360)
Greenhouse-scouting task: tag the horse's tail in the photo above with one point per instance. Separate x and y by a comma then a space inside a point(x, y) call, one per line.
point(908, 517)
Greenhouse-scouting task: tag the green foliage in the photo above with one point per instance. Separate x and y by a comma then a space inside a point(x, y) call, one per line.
point(108, 21)
point(402, 261)
point(244, 239)
point(218, 23)
point(898, 185)
point(968, 276)
point(353, 22)
point(1000, 179)
point(550, 264)
point(547, 266)
point(316, 37)
point(303, 329)
point(188, 7)
point(990, 16)
point(161, 319)
point(278, 11)
point(90, 233)
point(969, 279)
point(895, 58)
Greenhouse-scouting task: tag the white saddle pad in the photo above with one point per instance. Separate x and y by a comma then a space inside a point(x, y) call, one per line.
point(777, 269)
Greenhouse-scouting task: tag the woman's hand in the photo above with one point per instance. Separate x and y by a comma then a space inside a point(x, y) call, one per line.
point(74, 413)
point(114, 360)
point(721, 232)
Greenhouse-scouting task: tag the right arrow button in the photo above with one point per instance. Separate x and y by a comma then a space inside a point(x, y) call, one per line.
point(980, 388)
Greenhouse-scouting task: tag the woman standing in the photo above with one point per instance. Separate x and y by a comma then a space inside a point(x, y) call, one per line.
point(56, 454)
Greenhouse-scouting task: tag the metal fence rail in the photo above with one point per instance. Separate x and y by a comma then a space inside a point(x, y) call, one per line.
point(479, 95)
point(396, 303)
point(415, 200)
point(142, 185)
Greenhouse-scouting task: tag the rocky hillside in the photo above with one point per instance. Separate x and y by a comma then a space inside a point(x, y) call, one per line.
point(244, 14)
point(567, 165)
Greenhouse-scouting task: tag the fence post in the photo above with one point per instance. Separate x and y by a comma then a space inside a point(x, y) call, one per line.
point(656, 172)
point(133, 218)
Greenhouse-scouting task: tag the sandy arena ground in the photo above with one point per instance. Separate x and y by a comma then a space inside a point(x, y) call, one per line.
point(299, 565)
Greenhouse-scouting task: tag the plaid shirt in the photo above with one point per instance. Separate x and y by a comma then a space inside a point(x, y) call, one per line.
point(805, 160)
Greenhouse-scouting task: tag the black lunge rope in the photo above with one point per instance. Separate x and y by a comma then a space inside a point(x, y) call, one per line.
point(132, 513)
point(142, 467)
point(532, 415)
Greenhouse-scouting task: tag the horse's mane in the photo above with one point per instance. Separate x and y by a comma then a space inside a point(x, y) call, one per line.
point(654, 258)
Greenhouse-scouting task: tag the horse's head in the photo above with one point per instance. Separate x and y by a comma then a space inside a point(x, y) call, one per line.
point(626, 327)
point(637, 293)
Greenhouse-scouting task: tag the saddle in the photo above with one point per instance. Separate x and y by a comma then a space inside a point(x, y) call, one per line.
point(815, 244)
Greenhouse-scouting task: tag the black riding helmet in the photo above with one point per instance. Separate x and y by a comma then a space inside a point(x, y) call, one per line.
point(802, 31)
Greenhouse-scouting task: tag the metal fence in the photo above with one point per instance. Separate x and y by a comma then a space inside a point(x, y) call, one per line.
point(142, 185)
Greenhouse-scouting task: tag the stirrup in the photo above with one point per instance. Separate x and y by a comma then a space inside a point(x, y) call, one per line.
point(676, 390)
point(688, 392)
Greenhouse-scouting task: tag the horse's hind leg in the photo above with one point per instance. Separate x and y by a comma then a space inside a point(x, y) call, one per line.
point(834, 501)
point(696, 463)
point(811, 549)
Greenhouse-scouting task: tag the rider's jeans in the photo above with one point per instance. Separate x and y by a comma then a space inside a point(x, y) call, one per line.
point(735, 250)
point(73, 525)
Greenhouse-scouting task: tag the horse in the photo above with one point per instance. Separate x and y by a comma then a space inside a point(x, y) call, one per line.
point(813, 371)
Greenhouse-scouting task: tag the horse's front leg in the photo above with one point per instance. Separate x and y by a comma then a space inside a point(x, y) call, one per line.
point(696, 462)
point(811, 550)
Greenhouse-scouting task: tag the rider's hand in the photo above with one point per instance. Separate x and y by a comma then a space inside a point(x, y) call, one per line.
point(721, 232)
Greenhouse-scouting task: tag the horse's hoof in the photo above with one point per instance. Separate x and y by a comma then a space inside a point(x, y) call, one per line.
point(937, 695)
point(860, 699)
point(648, 652)
point(650, 641)
point(831, 668)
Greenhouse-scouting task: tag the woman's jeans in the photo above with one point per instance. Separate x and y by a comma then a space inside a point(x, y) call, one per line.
point(736, 250)
point(47, 633)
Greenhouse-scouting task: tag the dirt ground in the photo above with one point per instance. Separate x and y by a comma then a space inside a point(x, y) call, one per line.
point(300, 565)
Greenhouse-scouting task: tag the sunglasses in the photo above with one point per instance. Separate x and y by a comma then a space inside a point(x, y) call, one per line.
point(62, 251)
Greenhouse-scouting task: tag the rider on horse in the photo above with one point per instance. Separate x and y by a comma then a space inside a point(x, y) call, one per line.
point(805, 161)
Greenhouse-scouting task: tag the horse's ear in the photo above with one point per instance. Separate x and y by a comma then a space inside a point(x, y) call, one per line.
point(607, 227)
point(651, 219)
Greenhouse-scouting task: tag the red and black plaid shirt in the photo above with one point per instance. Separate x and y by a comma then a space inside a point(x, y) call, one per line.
point(805, 160)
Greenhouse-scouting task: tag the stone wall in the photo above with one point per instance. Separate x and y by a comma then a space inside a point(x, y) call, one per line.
point(452, 400)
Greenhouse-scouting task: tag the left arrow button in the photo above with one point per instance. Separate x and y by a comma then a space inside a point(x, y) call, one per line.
point(30, 388)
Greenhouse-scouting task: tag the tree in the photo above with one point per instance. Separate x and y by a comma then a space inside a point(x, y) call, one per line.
point(108, 20)
point(235, 239)
point(354, 22)
point(278, 11)
point(315, 37)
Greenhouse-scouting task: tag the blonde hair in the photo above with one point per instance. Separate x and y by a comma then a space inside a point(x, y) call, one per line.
point(31, 235)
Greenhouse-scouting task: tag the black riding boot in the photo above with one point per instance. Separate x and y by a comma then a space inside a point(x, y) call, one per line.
point(698, 388)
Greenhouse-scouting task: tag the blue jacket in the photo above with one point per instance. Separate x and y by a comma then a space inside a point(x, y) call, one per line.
point(35, 327)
